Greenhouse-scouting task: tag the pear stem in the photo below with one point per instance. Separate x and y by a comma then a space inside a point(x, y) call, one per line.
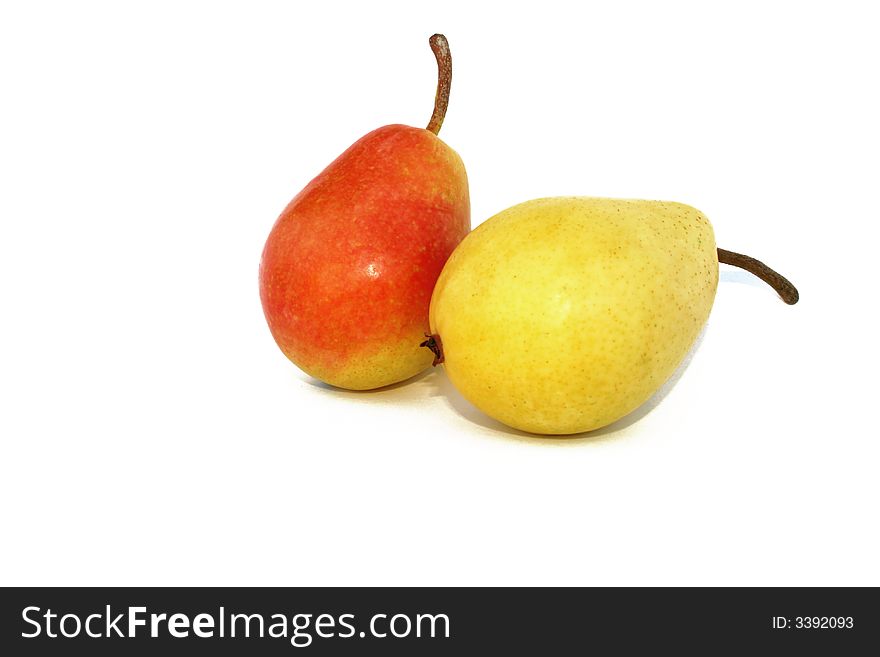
point(777, 281)
point(436, 346)
point(440, 46)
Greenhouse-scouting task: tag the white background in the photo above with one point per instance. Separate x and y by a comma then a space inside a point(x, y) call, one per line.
point(152, 433)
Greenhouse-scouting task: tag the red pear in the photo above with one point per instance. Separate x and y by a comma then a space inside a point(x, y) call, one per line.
point(349, 267)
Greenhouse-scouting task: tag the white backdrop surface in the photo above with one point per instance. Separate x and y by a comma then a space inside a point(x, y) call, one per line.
point(152, 433)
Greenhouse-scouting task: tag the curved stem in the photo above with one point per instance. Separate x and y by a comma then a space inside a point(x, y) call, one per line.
point(440, 46)
point(777, 281)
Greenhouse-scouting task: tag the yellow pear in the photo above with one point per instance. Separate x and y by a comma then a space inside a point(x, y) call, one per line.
point(562, 315)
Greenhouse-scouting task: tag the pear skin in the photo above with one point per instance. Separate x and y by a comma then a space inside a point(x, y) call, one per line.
point(348, 269)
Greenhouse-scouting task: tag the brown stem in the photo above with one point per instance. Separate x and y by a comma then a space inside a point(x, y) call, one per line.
point(440, 46)
point(436, 346)
point(777, 281)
